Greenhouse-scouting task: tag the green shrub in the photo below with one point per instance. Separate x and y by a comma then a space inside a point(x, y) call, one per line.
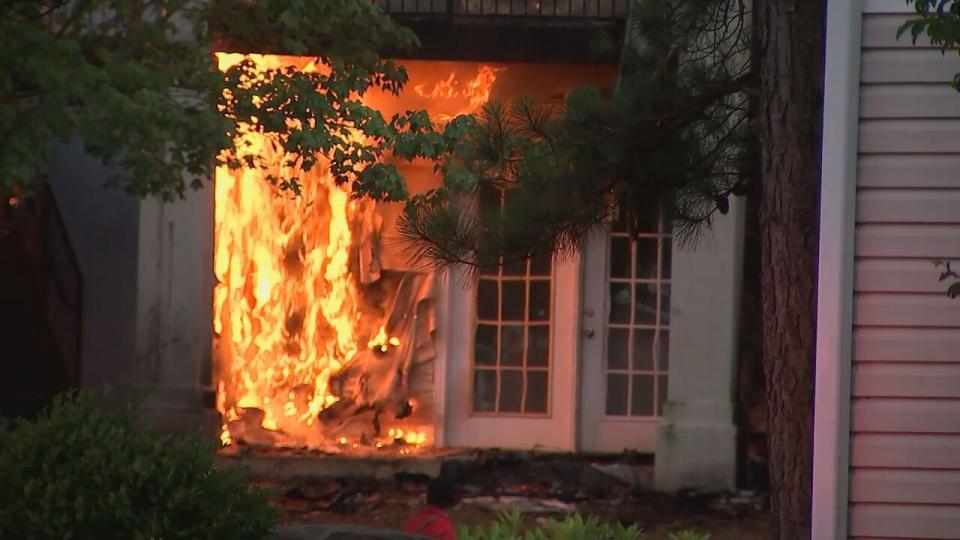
point(688, 535)
point(81, 471)
point(572, 527)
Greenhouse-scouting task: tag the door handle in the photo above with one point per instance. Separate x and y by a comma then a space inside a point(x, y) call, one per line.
point(588, 332)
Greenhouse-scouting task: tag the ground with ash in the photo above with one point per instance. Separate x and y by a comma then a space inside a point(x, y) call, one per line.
point(541, 487)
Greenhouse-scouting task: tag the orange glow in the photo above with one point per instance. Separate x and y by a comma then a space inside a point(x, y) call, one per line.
point(476, 91)
point(285, 302)
point(288, 311)
point(382, 342)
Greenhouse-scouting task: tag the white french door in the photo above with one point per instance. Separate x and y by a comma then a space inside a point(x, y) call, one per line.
point(511, 356)
point(625, 327)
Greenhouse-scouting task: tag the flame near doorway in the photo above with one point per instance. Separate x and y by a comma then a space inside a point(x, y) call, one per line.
point(317, 344)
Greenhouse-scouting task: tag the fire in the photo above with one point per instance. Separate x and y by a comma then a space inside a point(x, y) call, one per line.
point(285, 303)
point(381, 342)
point(476, 91)
point(289, 313)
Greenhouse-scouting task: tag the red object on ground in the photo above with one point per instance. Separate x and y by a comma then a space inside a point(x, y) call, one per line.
point(431, 522)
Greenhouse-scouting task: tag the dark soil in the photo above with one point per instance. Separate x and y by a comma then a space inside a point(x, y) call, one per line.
point(533, 485)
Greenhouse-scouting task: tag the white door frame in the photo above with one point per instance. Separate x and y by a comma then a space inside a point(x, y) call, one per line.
point(459, 426)
point(598, 431)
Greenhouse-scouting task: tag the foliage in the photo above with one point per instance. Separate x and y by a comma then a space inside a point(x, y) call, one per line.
point(688, 535)
point(82, 471)
point(953, 291)
point(572, 527)
point(673, 138)
point(939, 20)
point(136, 82)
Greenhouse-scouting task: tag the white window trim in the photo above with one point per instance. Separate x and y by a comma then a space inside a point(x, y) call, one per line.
point(831, 445)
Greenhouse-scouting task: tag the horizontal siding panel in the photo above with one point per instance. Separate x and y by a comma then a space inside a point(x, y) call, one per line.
point(910, 170)
point(904, 521)
point(909, 101)
point(907, 65)
point(906, 345)
point(905, 486)
point(880, 30)
point(919, 241)
point(929, 136)
point(886, 6)
point(909, 206)
point(905, 310)
point(897, 275)
point(905, 451)
point(892, 415)
point(874, 379)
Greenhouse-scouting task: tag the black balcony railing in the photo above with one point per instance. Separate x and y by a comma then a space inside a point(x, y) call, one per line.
point(557, 9)
point(510, 30)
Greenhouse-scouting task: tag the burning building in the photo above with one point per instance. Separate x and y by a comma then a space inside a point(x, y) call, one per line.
point(282, 321)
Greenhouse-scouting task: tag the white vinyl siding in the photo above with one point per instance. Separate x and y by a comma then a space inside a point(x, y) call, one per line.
point(905, 410)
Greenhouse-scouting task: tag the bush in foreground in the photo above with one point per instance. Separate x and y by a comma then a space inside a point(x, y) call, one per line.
point(572, 527)
point(82, 471)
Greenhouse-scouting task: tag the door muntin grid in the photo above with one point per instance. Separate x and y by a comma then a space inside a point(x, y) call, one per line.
point(638, 325)
point(511, 358)
point(513, 333)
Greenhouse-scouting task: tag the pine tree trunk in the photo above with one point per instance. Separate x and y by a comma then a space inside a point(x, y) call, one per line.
point(790, 119)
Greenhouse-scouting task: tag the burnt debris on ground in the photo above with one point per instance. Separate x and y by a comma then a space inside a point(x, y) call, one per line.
point(614, 488)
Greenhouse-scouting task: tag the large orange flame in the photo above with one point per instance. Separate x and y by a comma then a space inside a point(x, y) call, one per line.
point(285, 305)
point(287, 312)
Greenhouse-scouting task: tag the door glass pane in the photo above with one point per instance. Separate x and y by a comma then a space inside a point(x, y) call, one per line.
point(620, 303)
point(484, 390)
point(645, 304)
point(511, 390)
point(643, 349)
point(538, 346)
point(617, 389)
point(641, 398)
point(488, 300)
point(511, 345)
point(620, 257)
point(617, 348)
point(539, 301)
point(485, 345)
point(537, 392)
point(646, 255)
point(514, 300)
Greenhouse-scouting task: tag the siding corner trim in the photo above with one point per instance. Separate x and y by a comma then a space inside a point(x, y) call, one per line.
point(831, 445)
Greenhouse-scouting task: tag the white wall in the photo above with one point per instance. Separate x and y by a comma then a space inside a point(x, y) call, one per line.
point(147, 270)
point(174, 311)
point(696, 439)
point(103, 227)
